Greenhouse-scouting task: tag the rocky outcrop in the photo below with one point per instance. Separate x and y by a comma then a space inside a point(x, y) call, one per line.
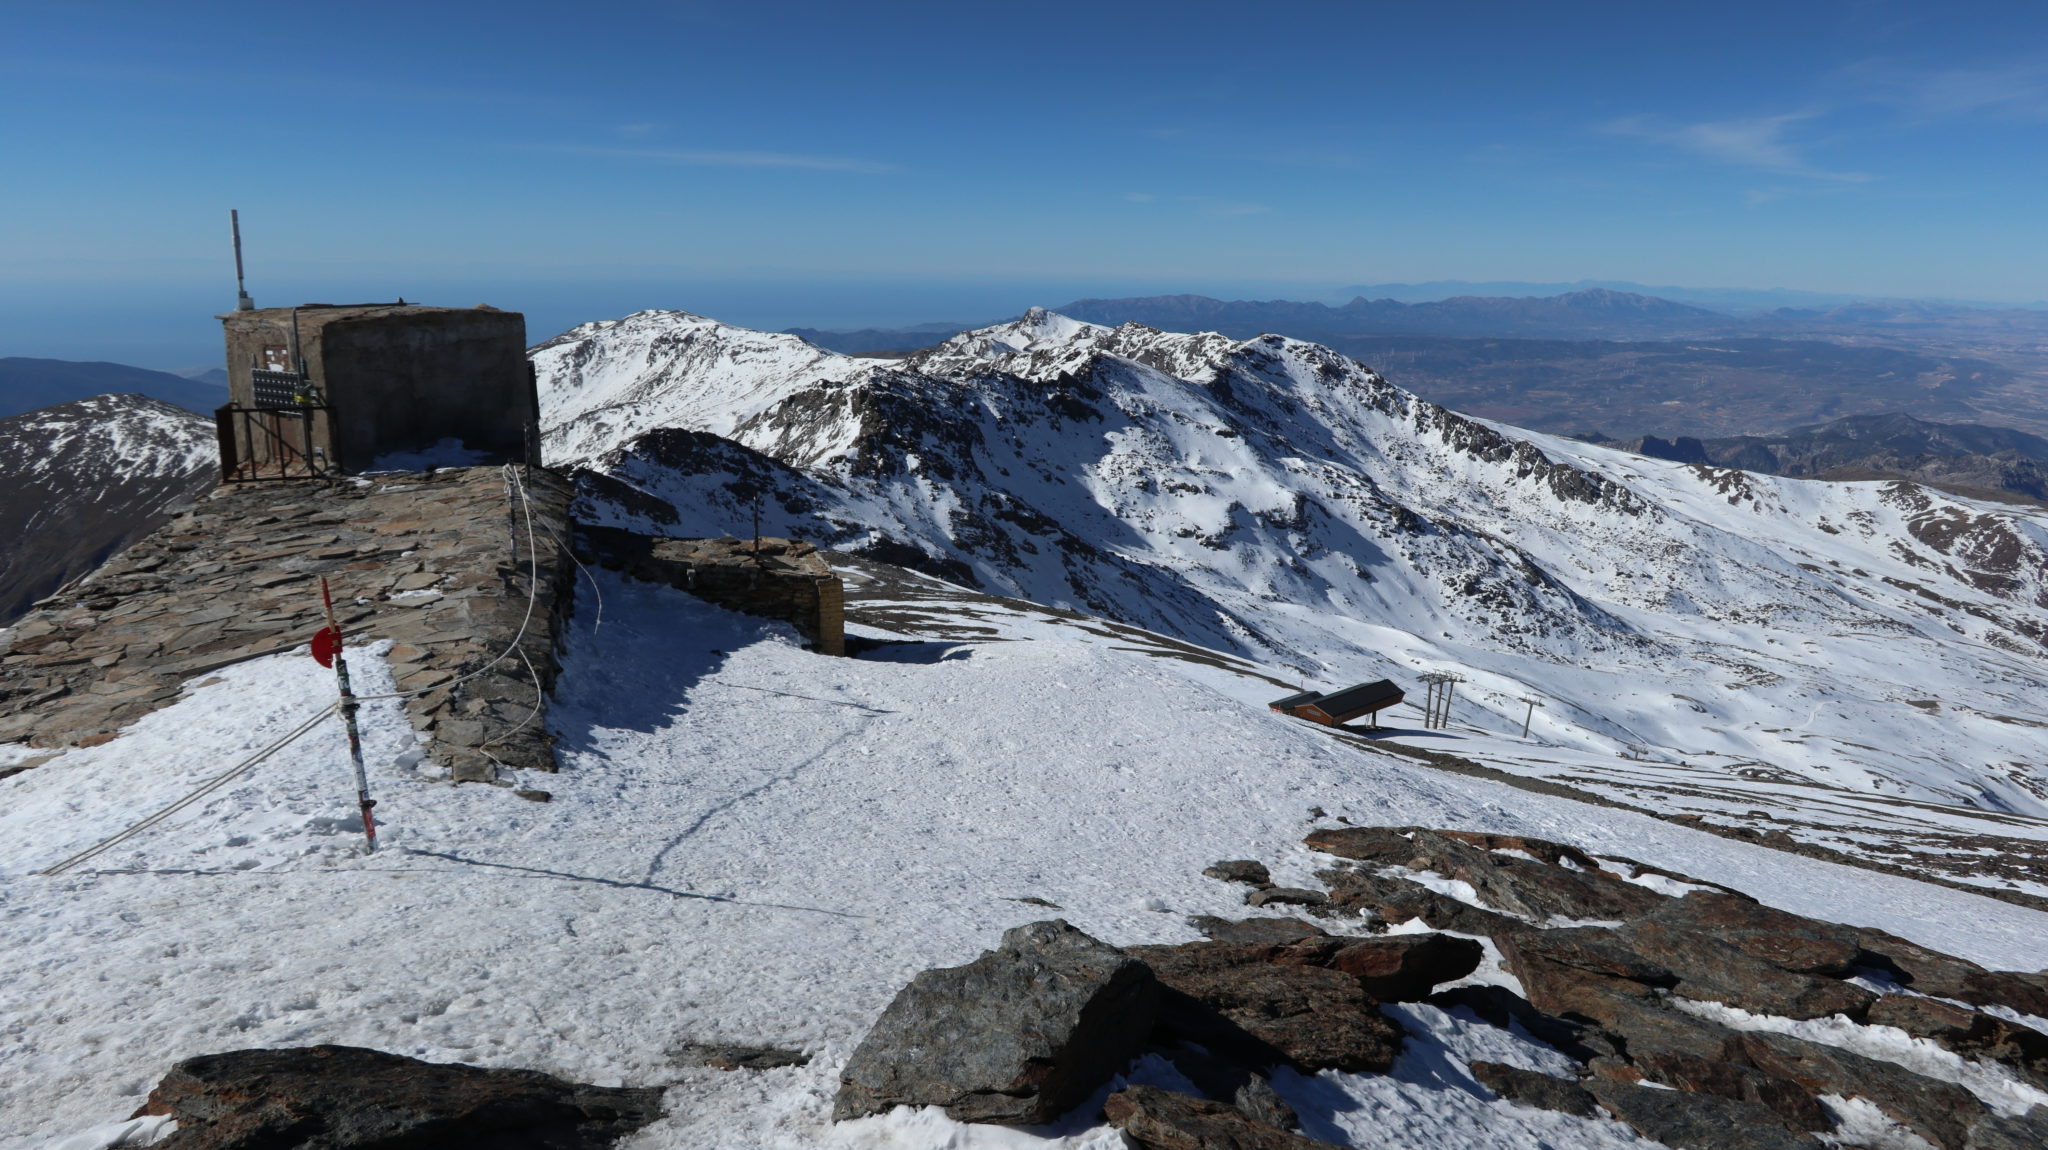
point(1618, 995)
point(1020, 1035)
point(349, 1098)
point(1264, 1006)
point(1636, 998)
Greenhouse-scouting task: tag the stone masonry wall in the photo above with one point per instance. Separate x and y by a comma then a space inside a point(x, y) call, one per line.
point(786, 580)
point(438, 562)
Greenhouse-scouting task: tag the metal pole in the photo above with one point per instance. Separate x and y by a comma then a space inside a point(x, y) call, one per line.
point(348, 720)
point(242, 300)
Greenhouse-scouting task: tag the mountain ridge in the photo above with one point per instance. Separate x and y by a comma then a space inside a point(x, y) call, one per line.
point(1275, 500)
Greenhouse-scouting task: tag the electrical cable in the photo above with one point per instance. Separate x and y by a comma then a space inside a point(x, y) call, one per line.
point(208, 787)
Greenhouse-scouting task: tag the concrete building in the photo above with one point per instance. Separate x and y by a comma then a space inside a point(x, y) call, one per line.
point(326, 388)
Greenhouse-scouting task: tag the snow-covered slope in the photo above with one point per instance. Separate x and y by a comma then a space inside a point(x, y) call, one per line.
point(611, 380)
point(1274, 499)
point(748, 843)
point(81, 480)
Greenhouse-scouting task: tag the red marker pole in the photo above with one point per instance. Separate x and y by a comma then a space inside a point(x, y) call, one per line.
point(327, 649)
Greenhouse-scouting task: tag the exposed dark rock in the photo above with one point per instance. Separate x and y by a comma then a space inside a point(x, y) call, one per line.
point(1530, 888)
point(1155, 1119)
point(1275, 931)
point(336, 1097)
point(1286, 896)
point(1686, 1121)
point(1406, 967)
point(1970, 1033)
point(1533, 1088)
point(723, 1056)
point(2029, 1131)
point(1946, 976)
point(1785, 940)
point(1241, 870)
point(1709, 968)
point(1227, 1081)
point(1234, 1000)
point(1499, 1006)
point(1398, 900)
point(1938, 1111)
point(1593, 949)
point(1021, 1035)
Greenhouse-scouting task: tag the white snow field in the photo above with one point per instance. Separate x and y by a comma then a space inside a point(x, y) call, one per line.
point(1857, 665)
point(747, 843)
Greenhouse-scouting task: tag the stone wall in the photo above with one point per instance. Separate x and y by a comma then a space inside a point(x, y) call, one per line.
point(439, 562)
point(785, 579)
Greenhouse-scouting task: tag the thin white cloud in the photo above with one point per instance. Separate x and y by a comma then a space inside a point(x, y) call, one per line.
point(2014, 88)
point(1760, 142)
point(716, 158)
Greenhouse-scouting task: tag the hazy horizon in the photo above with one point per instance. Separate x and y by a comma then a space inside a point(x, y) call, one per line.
point(792, 162)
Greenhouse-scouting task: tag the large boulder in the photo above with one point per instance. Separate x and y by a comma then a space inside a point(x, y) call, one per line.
point(1155, 1119)
point(1020, 1035)
point(1237, 1001)
point(349, 1098)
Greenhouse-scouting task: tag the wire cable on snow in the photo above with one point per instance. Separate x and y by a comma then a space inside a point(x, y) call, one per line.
point(250, 763)
point(204, 789)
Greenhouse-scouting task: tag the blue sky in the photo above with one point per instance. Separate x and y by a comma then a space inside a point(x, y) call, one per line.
point(780, 163)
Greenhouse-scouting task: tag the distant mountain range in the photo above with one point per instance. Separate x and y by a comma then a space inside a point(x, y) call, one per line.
point(1631, 363)
point(1593, 313)
point(1962, 458)
point(28, 384)
point(1735, 301)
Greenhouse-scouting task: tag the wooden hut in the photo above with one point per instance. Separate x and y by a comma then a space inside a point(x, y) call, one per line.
point(1340, 707)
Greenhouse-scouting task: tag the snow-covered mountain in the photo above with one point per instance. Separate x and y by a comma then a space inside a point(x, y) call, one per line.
point(81, 480)
point(1273, 499)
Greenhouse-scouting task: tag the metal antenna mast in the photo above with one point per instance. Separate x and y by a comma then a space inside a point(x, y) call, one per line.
point(242, 300)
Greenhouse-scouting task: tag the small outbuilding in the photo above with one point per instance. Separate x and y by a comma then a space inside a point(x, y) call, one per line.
point(1340, 707)
point(323, 389)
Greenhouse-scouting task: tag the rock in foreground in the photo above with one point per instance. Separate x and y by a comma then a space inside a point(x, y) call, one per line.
point(1155, 1119)
point(349, 1098)
point(1020, 1035)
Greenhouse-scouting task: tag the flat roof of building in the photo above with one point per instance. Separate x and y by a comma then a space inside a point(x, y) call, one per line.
point(315, 315)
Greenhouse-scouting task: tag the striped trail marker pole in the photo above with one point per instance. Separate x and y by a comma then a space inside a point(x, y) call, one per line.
point(327, 649)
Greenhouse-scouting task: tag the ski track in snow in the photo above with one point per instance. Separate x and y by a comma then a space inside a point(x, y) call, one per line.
point(747, 843)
